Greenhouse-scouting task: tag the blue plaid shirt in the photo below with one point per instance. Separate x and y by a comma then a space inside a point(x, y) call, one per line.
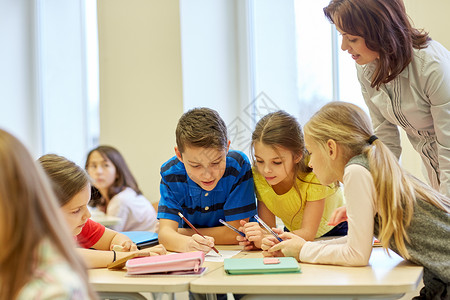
point(232, 199)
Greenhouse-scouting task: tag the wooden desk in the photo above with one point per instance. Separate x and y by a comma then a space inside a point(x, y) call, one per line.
point(104, 280)
point(390, 277)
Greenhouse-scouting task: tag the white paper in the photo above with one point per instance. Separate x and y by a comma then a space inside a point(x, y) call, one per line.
point(213, 256)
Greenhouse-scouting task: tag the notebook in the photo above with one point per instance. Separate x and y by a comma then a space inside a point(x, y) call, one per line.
point(176, 262)
point(142, 239)
point(261, 265)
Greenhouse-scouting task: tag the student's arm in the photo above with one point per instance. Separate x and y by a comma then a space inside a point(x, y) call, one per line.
point(111, 238)
point(221, 234)
point(360, 197)
point(253, 231)
point(266, 215)
point(101, 259)
point(339, 215)
point(174, 240)
point(312, 216)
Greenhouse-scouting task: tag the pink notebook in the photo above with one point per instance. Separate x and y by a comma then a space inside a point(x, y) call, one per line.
point(166, 263)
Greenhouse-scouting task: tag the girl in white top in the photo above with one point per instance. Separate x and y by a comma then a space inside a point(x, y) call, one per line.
point(382, 199)
point(37, 256)
point(119, 192)
point(405, 79)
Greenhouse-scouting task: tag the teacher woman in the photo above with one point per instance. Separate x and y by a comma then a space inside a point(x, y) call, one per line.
point(404, 76)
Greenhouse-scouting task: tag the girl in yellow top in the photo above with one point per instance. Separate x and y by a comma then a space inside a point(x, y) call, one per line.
point(285, 186)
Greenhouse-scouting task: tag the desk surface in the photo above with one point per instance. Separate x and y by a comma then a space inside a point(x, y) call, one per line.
point(104, 280)
point(384, 275)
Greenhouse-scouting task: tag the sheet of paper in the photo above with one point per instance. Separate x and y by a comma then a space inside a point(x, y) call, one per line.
point(213, 256)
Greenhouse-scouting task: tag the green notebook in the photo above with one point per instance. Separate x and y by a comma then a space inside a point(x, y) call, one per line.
point(261, 265)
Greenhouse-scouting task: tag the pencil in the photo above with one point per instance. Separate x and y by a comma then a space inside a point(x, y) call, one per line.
point(260, 221)
point(231, 227)
point(195, 229)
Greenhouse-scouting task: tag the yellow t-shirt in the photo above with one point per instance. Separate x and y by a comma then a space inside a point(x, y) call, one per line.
point(289, 207)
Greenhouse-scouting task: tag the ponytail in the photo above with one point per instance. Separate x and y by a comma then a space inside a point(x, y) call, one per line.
point(395, 196)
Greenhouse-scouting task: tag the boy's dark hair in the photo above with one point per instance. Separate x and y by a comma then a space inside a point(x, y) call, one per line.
point(201, 127)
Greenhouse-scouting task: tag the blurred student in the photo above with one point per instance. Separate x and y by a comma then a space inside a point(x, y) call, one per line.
point(37, 257)
point(206, 182)
point(73, 190)
point(119, 194)
point(405, 214)
point(285, 185)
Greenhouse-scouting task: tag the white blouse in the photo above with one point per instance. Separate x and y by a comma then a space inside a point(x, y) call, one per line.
point(136, 213)
point(417, 100)
point(355, 248)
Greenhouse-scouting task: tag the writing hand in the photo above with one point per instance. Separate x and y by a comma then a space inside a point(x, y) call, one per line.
point(199, 243)
point(290, 246)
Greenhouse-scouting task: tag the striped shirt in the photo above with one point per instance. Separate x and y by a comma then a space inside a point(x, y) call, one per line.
point(232, 199)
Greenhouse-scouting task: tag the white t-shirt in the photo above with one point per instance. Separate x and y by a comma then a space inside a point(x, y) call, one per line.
point(136, 213)
point(355, 248)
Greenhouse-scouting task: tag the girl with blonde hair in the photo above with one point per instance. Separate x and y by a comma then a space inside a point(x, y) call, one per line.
point(382, 199)
point(38, 258)
point(285, 186)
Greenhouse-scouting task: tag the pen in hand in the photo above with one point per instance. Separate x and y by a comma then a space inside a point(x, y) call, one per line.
point(231, 227)
point(196, 231)
point(260, 221)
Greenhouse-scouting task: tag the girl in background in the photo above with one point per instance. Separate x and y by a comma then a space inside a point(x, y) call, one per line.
point(404, 77)
point(73, 190)
point(37, 258)
point(285, 186)
point(119, 192)
point(405, 214)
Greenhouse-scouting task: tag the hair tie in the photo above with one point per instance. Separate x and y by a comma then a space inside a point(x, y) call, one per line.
point(372, 139)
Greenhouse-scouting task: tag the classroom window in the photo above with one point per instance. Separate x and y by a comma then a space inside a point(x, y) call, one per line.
point(298, 63)
point(248, 58)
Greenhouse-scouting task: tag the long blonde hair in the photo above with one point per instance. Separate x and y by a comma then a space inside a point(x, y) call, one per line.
point(31, 214)
point(397, 190)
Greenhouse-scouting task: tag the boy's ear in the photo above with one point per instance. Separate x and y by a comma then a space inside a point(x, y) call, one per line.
point(178, 154)
point(228, 145)
point(332, 149)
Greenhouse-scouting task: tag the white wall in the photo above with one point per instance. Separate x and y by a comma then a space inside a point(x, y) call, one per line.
point(140, 83)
